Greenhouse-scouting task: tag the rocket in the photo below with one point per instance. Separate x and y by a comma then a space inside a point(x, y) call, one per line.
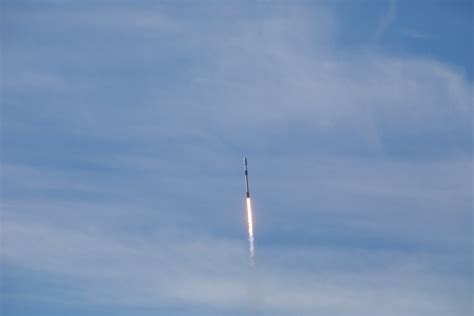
point(246, 177)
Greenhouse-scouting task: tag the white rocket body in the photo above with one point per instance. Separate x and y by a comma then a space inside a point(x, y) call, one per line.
point(246, 178)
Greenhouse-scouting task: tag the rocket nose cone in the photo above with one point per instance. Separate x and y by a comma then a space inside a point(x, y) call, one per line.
point(245, 160)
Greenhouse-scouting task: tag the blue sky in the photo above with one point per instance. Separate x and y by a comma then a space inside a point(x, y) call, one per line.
point(124, 125)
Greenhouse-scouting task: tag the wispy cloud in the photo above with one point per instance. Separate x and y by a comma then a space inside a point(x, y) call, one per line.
point(204, 271)
point(417, 34)
point(121, 126)
point(386, 19)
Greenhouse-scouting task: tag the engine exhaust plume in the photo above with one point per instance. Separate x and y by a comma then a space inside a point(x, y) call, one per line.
point(250, 229)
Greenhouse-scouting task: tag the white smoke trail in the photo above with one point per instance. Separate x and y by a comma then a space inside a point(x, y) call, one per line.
point(250, 229)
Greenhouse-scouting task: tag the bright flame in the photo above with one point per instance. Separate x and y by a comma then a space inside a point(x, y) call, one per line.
point(250, 228)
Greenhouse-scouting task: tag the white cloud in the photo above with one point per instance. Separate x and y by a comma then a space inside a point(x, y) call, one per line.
point(211, 272)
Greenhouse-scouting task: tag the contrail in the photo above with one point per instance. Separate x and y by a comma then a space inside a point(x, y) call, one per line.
point(249, 216)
